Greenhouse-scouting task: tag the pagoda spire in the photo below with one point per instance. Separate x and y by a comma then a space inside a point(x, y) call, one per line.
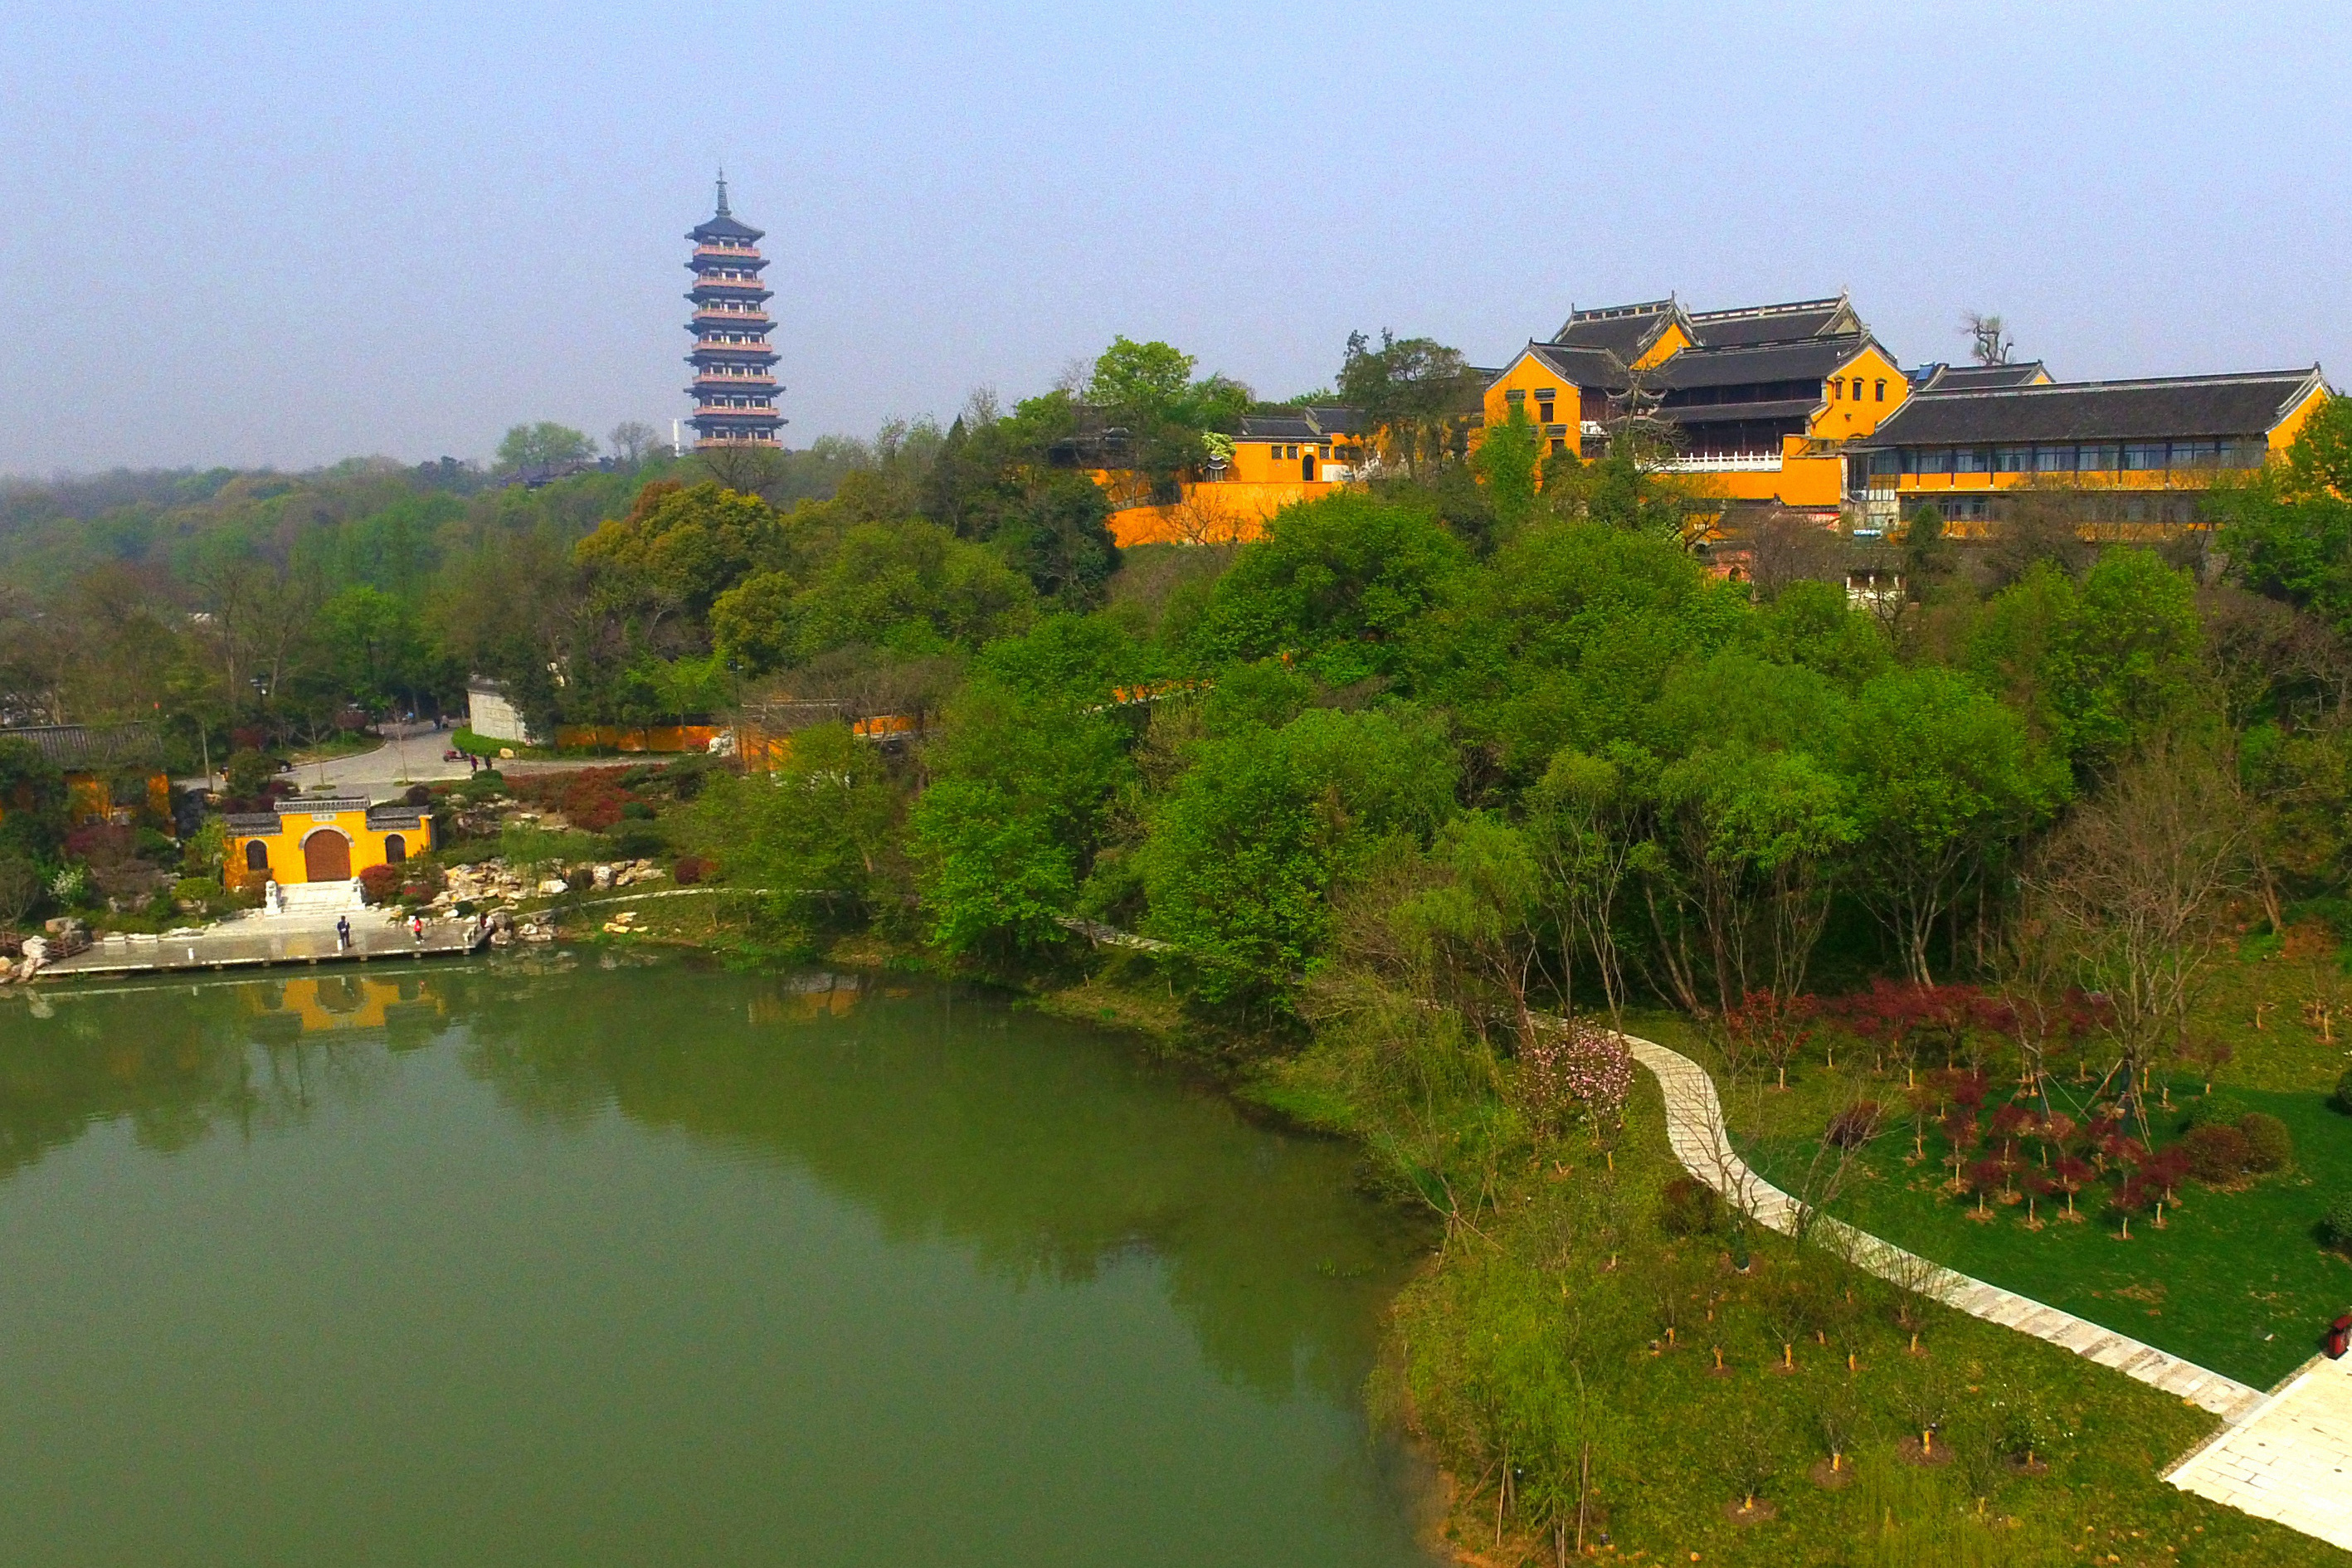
point(722, 192)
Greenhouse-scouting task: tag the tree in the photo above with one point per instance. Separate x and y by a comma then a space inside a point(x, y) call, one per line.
point(1989, 340)
point(818, 836)
point(679, 548)
point(1334, 582)
point(1417, 394)
point(545, 445)
point(1506, 463)
point(32, 801)
point(2136, 886)
point(1059, 537)
point(1249, 845)
point(1943, 776)
point(1009, 826)
point(632, 441)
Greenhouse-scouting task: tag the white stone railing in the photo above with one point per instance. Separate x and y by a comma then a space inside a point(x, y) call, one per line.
point(1724, 463)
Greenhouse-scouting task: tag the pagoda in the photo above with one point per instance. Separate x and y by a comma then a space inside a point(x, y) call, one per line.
point(734, 368)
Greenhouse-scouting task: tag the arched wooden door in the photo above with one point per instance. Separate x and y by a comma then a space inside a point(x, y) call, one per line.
point(327, 857)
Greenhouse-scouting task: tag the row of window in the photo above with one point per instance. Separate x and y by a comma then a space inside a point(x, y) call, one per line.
point(1839, 383)
point(709, 340)
point(1277, 450)
point(2071, 457)
point(2172, 509)
point(710, 402)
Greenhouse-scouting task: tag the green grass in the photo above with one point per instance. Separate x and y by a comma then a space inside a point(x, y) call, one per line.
point(2237, 1281)
point(1523, 1334)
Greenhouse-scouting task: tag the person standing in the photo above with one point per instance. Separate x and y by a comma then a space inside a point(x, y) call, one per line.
point(342, 933)
point(416, 929)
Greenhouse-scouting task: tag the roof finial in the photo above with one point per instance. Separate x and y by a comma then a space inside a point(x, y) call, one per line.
point(722, 191)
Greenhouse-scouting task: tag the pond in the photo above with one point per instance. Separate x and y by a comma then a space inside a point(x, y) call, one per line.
point(635, 1262)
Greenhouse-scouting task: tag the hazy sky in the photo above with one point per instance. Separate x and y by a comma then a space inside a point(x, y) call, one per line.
point(281, 234)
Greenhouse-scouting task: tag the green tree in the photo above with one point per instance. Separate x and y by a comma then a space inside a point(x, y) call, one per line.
point(32, 801)
point(1506, 463)
point(1009, 826)
point(2130, 661)
point(1335, 581)
point(376, 647)
point(680, 547)
point(818, 836)
point(1245, 850)
point(545, 445)
point(1944, 778)
point(1417, 396)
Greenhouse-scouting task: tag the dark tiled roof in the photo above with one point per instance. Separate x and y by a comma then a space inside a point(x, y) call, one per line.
point(395, 816)
point(1598, 368)
point(1979, 377)
point(1338, 418)
point(1740, 413)
point(1808, 359)
point(1622, 329)
point(1312, 422)
point(1277, 428)
point(725, 226)
point(78, 746)
point(2198, 406)
point(320, 801)
point(1775, 323)
point(252, 824)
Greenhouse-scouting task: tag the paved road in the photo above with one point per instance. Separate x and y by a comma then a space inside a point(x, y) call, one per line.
point(411, 753)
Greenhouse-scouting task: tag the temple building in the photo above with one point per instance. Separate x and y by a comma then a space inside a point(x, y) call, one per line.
point(734, 385)
point(1762, 398)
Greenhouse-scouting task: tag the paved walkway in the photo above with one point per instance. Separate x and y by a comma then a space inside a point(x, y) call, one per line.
point(256, 939)
point(2286, 1455)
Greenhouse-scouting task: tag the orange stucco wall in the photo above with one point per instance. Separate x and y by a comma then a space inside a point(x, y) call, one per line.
point(2292, 425)
point(1882, 387)
point(284, 848)
point(637, 738)
point(1230, 512)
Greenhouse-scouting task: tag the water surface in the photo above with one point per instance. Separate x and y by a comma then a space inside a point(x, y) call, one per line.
point(549, 1263)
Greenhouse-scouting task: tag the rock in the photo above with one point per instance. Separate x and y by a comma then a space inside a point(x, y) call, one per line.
point(36, 950)
point(552, 886)
point(602, 876)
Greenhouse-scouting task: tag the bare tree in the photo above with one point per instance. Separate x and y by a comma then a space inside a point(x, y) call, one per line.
point(747, 468)
point(2136, 887)
point(1993, 342)
point(633, 440)
point(1786, 546)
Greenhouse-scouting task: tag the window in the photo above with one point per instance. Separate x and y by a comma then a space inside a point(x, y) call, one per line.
point(2095, 459)
point(1881, 396)
point(1926, 459)
point(1970, 460)
point(2053, 459)
point(2142, 455)
point(2012, 459)
point(2196, 454)
point(2243, 454)
point(1857, 389)
point(1886, 462)
point(256, 855)
point(1543, 412)
point(1559, 445)
point(1837, 388)
point(395, 849)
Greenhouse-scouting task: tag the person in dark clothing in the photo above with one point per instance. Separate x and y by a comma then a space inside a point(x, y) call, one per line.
point(342, 933)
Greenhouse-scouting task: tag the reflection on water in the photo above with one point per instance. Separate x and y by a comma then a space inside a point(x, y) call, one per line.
point(1041, 1156)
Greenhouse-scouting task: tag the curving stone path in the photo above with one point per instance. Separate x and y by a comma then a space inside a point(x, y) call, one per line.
point(2284, 1456)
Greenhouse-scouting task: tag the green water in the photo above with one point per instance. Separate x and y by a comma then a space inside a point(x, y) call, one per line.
point(657, 1264)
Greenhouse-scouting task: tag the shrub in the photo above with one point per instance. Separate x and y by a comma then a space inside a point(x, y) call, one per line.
point(636, 842)
point(1688, 1207)
point(2217, 1154)
point(1855, 1125)
point(2215, 1111)
point(689, 869)
point(2337, 1224)
point(2344, 1091)
point(205, 892)
point(2268, 1145)
point(637, 811)
point(380, 883)
point(418, 794)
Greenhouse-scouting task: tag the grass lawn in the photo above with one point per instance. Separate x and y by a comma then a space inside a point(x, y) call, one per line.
point(2237, 1281)
point(1540, 1328)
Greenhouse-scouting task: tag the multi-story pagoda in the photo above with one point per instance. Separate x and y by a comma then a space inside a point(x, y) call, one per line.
point(734, 368)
